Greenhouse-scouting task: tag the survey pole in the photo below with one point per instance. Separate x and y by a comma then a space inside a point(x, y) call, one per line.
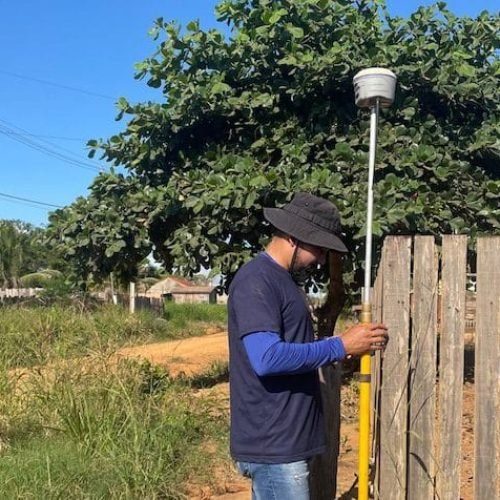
point(374, 88)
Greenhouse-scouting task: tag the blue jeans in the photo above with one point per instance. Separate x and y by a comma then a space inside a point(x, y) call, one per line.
point(277, 481)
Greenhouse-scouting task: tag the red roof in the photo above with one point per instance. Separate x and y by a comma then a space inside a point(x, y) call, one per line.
point(181, 281)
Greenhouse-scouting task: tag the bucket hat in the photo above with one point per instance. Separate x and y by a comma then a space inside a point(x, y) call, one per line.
point(310, 219)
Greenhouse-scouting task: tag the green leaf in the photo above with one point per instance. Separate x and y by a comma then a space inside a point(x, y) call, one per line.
point(295, 31)
point(277, 15)
point(466, 70)
point(343, 151)
point(220, 88)
point(289, 60)
point(250, 200)
point(409, 112)
point(391, 179)
point(442, 173)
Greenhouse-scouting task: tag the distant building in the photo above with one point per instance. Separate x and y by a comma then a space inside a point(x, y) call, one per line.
point(181, 290)
point(193, 295)
point(166, 285)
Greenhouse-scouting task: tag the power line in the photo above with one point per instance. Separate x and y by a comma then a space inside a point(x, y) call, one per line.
point(25, 204)
point(21, 137)
point(54, 154)
point(35, 202)
point(59, 85)
point(58, 137)
point(24, 132)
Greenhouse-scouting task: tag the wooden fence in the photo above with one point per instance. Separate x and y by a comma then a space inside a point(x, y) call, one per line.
point(15, 295)
point(418, 381)
point(140, 302)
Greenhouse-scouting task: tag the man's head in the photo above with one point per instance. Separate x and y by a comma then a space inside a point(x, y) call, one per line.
point(310, 225)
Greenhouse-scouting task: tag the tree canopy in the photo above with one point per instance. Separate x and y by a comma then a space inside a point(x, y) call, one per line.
point(245, 121)
point(22, 251)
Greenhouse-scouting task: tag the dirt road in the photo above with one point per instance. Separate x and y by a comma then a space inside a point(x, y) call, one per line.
point(191, 355)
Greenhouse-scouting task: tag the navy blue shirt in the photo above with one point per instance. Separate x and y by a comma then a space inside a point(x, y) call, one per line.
point(274, 419)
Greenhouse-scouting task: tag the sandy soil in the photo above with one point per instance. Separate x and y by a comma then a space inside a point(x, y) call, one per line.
point(188, 356)
point(195, 355)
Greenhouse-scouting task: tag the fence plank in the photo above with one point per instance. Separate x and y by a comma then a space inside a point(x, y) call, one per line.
point(377, 305)
point(451, 365)
point(18, 292)
point(131, 297)
point(396, 315)
point(487, 369)
point(422, 381)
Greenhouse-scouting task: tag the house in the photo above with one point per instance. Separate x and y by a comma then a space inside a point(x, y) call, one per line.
point(166, 285)
point(181, 290)
point(193, 295)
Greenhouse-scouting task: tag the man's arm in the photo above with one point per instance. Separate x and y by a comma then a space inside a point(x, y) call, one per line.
point(270, 355)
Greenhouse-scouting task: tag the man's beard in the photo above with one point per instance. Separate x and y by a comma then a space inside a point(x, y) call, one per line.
point(303, 275)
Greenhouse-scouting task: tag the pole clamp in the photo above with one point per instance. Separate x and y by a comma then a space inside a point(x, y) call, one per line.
point(362, 377)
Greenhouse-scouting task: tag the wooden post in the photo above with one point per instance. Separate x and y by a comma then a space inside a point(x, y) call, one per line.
point(132, 297)
point(451, 365)
point(114, 298)
point(324, 467)
point(396, 315)
point(423, 371)
point(487, 369)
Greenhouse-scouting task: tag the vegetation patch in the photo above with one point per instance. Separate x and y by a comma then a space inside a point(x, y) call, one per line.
point(117, 431)
point(37, 335)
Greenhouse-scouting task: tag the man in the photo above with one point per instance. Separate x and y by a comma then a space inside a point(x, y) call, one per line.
point(276, 418)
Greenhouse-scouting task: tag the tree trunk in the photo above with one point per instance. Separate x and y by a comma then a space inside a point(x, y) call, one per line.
point(324, 467)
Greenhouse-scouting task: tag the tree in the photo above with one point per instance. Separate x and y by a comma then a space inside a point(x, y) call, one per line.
point(10, 254)
point(107, 232)
point(246, 121)
point(22, 251)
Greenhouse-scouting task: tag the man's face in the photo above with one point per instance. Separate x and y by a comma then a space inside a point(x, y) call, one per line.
point(310, 255)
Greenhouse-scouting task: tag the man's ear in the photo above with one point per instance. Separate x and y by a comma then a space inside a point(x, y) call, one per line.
point(293, 241)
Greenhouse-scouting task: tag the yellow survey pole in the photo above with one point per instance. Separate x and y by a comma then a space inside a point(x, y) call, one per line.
point(366, 317)
point(374, 88)
point(364, 414)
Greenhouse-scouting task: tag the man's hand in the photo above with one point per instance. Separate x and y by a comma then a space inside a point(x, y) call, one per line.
point(363, 338)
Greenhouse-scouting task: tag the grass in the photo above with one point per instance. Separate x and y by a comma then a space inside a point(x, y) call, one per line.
point(186, 319)
point(217, 373)
point(126, 431)
point(36, 335)
point(101, 428)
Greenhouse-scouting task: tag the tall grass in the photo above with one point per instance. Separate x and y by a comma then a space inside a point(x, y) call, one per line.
point(95, 427)
point(112, 431)
point(36, 335)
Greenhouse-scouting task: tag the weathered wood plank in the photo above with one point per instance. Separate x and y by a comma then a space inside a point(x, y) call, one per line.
point(487, 369)
point(423, 371)
point(395, 365)
point(377, 306)
point(451, 365)
point(376, 301)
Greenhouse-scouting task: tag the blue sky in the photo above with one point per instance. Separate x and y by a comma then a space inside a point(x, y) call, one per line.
point(63, 65)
